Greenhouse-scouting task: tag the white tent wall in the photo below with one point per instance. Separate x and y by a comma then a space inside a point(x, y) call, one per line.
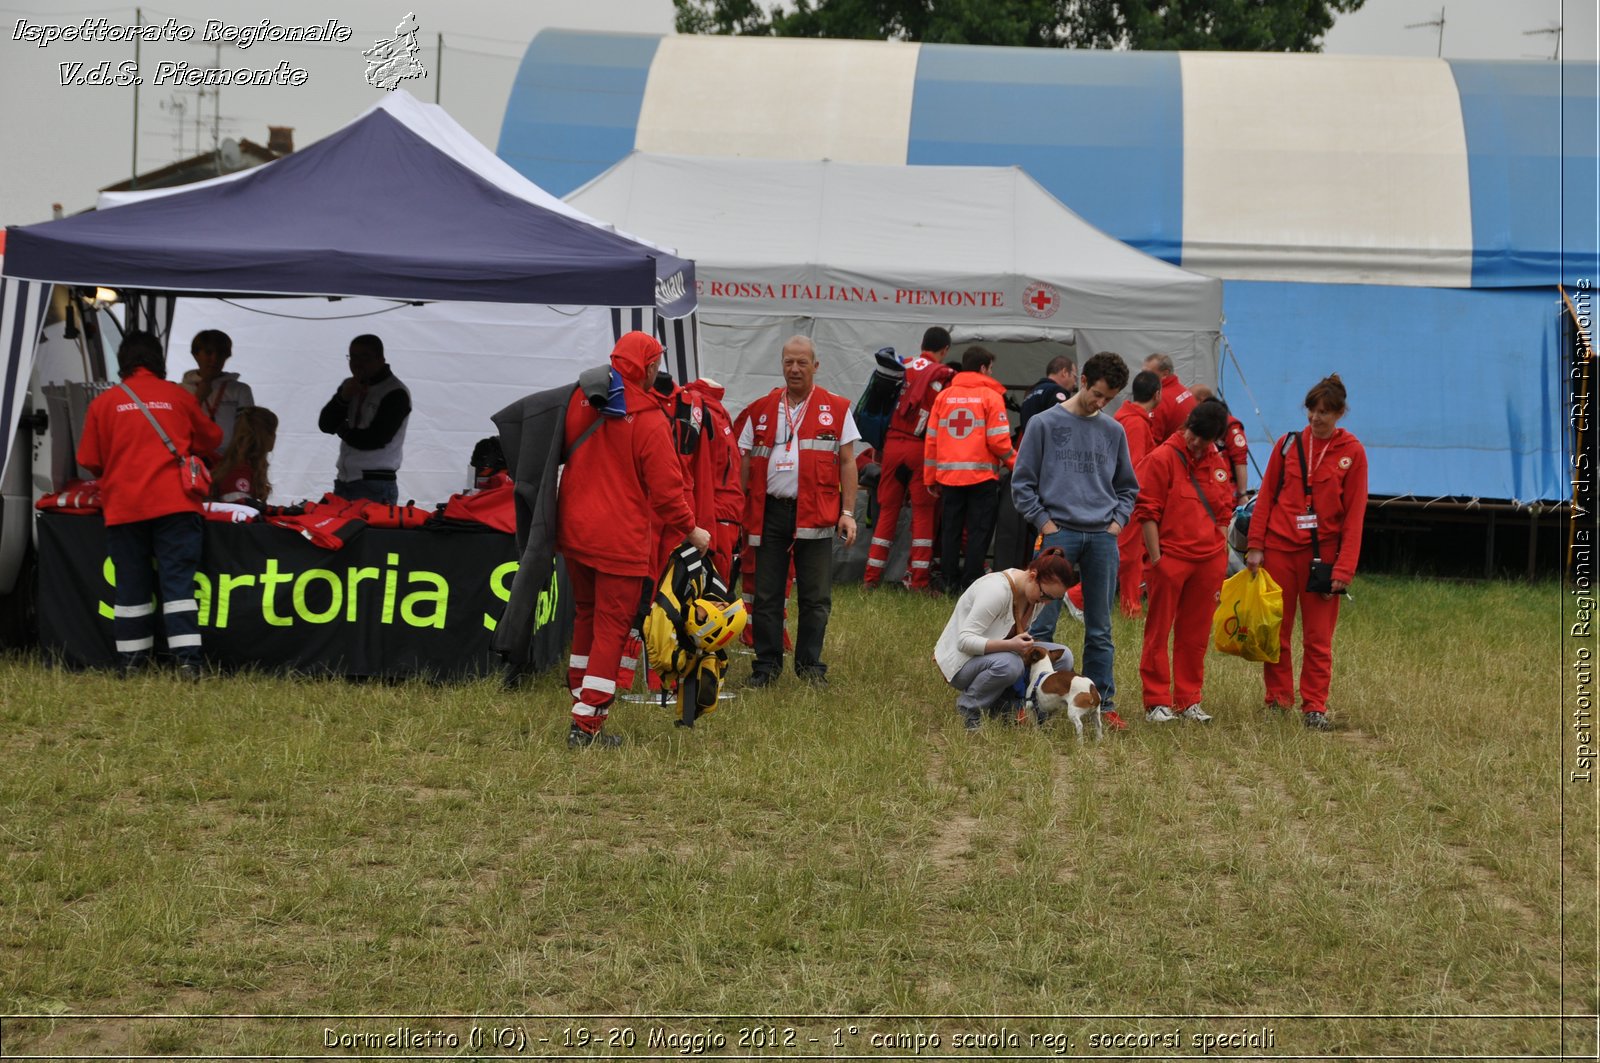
point(861, 257)
point(461, 361)
point(742, 352)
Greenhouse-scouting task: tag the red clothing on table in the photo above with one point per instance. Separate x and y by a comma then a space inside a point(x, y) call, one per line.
point(139, 477)
point(1172, 412)
point(1338, 469)
point(236, 484)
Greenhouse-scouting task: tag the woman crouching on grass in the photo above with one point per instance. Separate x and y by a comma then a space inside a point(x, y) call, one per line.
point(1311, 508)
point(241, 474)
point(980, 650)
point(1185, 504)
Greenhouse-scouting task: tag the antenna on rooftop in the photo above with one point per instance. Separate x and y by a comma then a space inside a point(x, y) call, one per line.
point(1439, 22)
point(1554, 29)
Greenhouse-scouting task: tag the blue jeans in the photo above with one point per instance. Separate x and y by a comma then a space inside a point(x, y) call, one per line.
point(385, 491)
point(1094, 555)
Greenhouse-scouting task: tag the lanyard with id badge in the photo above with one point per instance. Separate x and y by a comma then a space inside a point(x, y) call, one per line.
point(788, 460)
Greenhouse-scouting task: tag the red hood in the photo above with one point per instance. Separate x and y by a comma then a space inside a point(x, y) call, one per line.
point(707, 387)
point(632, 353)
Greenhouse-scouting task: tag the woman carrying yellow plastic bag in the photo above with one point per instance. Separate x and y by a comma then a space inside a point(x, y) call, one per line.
point(1249, 616)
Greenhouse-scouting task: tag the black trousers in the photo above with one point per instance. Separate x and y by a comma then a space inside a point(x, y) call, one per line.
point(972, 509)
point(813, 579)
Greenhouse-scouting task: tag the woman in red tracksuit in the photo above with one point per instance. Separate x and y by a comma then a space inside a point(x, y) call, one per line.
point(1280, 538)
point(1185, 504)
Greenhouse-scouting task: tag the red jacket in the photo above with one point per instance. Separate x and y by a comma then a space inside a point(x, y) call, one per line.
point(1167, 496)
point(925, 378)
point(138, 475)
point(1234, 444)
point(1140, 429)
point(1172, 411)
point(1338, 489)
point(969, 435)
point(818, 505)
point(624, 479)
point(724, 446)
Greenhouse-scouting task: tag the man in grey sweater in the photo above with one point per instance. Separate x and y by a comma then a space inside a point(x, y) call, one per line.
point(1074, 481)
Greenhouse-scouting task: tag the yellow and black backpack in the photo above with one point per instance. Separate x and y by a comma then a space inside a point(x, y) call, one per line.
point(691, 621)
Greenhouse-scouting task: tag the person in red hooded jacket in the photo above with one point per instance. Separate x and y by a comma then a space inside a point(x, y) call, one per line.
point(717, 436)
point(1185, 504)
point(900, 472)
point(148, 513)
point(621, 481)
point(1286, 518)
point(1136, 416)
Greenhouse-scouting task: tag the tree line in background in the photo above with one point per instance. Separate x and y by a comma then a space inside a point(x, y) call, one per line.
point(1146, 25)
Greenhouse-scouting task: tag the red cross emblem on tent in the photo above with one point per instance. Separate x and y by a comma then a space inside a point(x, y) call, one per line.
point(1040, 300)
point(961, 423)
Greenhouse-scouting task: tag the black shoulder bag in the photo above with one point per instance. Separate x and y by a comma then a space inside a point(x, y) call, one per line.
point(1320, 578)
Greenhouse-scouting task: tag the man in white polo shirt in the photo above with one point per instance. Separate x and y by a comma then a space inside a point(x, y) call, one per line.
point(799, 476)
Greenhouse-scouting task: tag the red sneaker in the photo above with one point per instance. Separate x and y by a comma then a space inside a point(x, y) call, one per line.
point(1112, 721)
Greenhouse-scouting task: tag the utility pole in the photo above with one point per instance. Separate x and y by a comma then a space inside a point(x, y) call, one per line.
point(138, 20)
point(1433, 22)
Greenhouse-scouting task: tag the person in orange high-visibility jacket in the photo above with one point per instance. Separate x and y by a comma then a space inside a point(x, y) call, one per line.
point(967, 449)
point(900, 473)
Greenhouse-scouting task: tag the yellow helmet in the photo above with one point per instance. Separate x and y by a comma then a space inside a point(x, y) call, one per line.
point(713, 624)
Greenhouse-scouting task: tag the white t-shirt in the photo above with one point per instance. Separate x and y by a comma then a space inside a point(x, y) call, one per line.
point(783, 467)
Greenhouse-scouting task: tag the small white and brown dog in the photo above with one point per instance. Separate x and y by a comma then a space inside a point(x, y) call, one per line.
point(1050, 691)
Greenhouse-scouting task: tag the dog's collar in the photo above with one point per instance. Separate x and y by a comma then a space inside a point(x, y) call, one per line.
point(1034, 685)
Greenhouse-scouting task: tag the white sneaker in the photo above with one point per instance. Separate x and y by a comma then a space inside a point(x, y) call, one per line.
point(1159, 714)
point(1195, 714)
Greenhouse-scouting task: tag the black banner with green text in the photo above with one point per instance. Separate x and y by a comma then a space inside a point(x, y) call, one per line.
point(389, 603)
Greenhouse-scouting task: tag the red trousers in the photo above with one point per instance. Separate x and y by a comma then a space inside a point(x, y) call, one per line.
point(901, 452)
point(724, 537)
point(1183, 597)
point(1318, 617)
point(605, 605)
point(1130, 569)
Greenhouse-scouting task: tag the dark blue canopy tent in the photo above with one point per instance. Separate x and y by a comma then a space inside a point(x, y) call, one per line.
point(401, 204)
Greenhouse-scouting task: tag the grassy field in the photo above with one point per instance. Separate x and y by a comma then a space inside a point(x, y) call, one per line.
point(816, 862)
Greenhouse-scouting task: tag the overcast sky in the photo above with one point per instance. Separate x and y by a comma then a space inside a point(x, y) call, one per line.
point(62, 143)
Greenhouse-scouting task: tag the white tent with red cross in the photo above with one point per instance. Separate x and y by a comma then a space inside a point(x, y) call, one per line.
point(860, 257)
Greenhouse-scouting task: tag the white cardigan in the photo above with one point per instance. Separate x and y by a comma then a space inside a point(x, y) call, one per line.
point(981, 614)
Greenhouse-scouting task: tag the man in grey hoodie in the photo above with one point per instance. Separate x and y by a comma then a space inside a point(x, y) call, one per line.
point(1074, 481)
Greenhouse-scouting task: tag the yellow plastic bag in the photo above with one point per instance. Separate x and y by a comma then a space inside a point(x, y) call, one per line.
point(1249, 618)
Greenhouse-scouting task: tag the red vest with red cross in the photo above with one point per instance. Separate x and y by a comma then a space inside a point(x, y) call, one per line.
point(818, 505)
point(925, 378)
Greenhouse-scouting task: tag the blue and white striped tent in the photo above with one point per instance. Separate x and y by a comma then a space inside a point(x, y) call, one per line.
point(1404, 222)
